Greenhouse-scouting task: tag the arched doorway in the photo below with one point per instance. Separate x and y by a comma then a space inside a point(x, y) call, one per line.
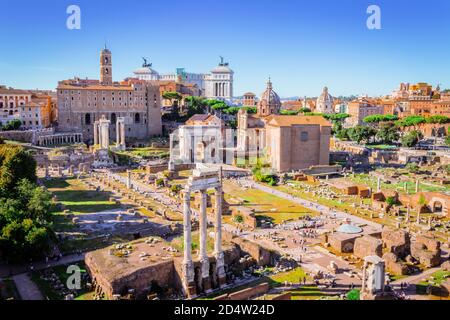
point(437, 207)
point(200, 152)
point(113, 118)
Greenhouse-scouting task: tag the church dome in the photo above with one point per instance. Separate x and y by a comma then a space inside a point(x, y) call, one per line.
point(222, 69)
point(325, 102)
point(270, 102)
point(349, 229)
point(145, 71)
point(270, 96)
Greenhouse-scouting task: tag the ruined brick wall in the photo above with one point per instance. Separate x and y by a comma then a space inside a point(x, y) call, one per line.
point(368, 246)
point(141, 280)
point(427, 251)
point(262, 256)
point(396, 241)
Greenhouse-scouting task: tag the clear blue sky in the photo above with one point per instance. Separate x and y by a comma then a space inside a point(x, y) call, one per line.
point(303, 45)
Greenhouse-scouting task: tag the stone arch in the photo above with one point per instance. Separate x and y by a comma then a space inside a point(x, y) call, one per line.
point(437, 206)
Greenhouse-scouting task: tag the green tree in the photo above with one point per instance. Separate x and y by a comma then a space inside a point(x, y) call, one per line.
point(25, 223)
point(410, 121)
point(411, 139)
point(172, 96)
point(12, 125)
point(388, 133)
point(361, 133)
point(250, 110)
point(15, 164)
point(378, 118)
point(195, 105)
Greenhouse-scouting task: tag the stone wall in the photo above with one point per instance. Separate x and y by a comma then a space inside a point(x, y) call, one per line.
point(262, 256)
point(246, 294)
point(140, 280)
point(22, 136)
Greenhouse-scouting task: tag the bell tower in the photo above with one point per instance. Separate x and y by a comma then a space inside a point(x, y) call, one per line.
point(106, 67)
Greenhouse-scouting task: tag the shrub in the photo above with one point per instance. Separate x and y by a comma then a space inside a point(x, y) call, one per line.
point(412, 167)
point(238, 219)
point(160, 182)
point(353, 295)
point(176, 188)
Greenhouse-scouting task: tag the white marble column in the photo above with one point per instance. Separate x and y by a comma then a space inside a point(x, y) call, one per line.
point(218, 253)
point(96, 140)
point(188, 266)
point(128, 179)
point(203, 254)
point(118, 133)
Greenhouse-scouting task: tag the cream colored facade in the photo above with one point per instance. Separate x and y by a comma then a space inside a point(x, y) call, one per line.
point(82, 102)
point(33, 110)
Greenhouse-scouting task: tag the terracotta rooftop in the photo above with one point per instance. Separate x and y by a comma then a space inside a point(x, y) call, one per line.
point(287, 121)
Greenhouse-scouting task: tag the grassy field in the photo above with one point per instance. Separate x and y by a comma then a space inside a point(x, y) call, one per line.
point(147, 153)
point(76, 197)
point(400, 187)
point(308, 292)
point(267, 206)
point(438, 278)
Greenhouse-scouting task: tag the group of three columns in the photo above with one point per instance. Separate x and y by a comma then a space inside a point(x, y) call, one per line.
point(189, 283)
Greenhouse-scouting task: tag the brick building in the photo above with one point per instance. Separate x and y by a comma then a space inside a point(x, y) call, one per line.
point(82, 102)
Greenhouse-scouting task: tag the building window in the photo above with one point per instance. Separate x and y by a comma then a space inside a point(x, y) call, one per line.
point(113, 118)
point(304, 136)
point(87, 119)
point(137, 118)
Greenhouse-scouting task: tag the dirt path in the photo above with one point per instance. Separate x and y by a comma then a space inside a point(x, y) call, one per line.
point(28, 290)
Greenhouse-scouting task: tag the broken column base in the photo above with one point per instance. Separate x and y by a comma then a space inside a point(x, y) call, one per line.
point(206, 282)
point(191, 290)
point(222, 281)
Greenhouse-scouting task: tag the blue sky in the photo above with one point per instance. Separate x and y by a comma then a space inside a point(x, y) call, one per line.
point(303, 45)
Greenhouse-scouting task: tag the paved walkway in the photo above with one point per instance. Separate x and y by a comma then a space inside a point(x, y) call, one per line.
point(6, 271)
point(27, 289)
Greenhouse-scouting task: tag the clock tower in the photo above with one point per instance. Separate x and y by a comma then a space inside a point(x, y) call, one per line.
point(106, 67)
